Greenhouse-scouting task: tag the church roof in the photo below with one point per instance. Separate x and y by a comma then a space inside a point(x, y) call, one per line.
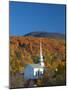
point(36, 65)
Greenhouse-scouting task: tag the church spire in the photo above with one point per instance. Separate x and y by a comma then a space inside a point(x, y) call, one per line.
point(41, 56)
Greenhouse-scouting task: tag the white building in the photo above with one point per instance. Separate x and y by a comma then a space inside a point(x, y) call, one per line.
point(34, 71)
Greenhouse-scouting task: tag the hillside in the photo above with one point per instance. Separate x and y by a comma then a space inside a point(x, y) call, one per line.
point(46, 34)
point(25, 50)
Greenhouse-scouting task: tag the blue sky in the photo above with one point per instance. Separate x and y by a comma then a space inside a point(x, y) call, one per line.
point(30, 17)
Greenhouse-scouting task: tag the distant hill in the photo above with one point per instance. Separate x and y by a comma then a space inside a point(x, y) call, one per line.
point(46, 34)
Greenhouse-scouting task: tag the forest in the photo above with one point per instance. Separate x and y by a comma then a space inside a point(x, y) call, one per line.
point(26, 49)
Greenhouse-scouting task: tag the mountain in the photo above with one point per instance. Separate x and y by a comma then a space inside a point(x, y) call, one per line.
point(46, 34)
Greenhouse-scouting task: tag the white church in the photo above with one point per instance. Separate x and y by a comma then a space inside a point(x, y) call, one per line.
point(35, 71)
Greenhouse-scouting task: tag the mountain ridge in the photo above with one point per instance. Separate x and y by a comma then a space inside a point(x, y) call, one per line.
point(46, 34)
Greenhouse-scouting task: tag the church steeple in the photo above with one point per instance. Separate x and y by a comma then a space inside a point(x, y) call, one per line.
point(41, 56)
